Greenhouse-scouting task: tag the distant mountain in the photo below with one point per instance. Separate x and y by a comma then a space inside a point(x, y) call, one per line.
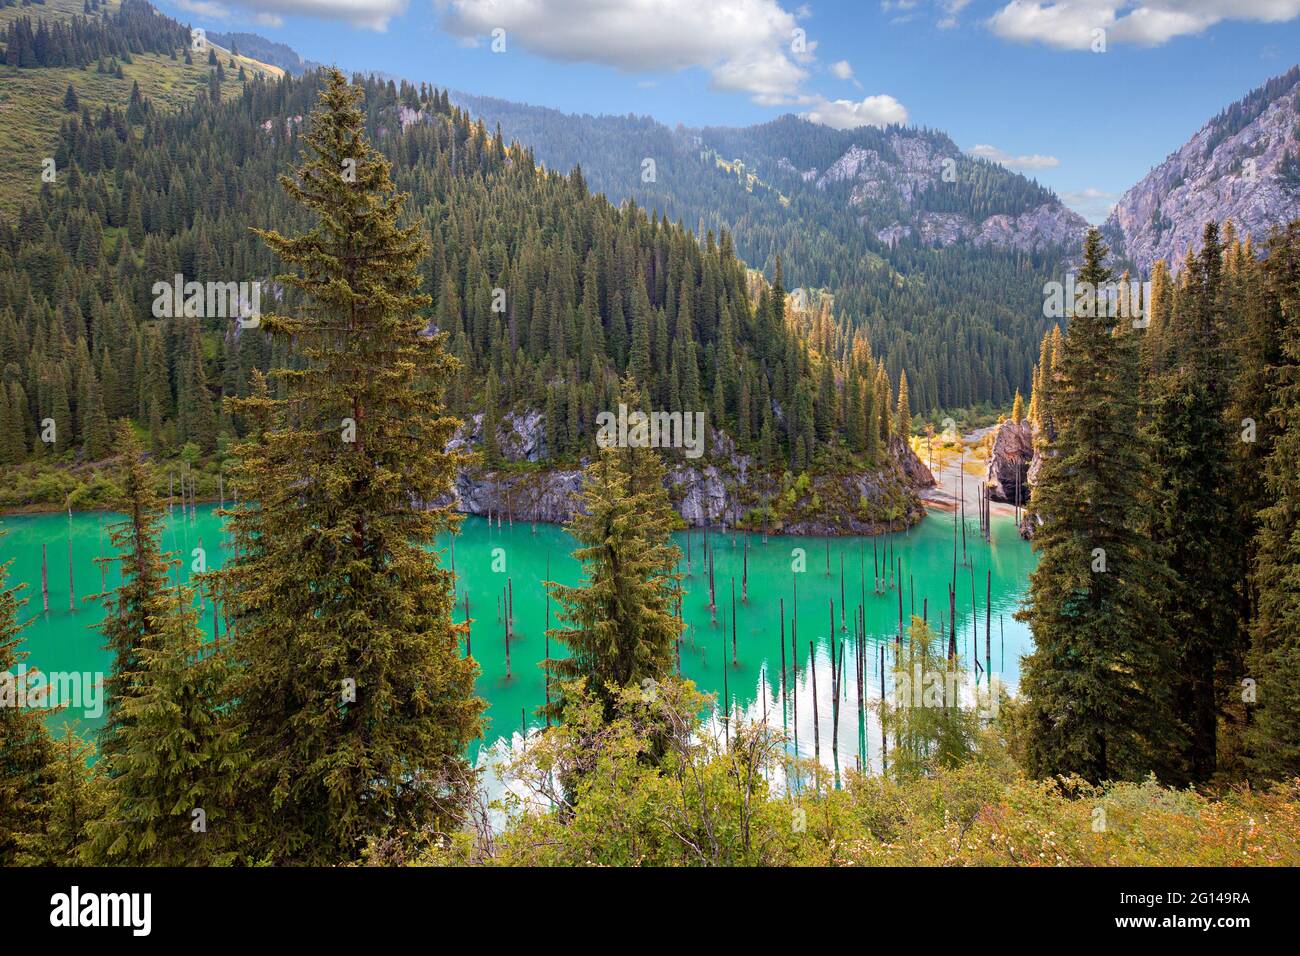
point(1243, 165)
point(267, 51)
point(890, 181)
point(907, 183)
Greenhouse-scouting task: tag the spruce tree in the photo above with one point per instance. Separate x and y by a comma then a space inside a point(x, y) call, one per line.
point(1097, 681)
point(355, 703)
point(170, 799)
point(491, 424)
point(1194, 524)
point(10, 429)
point(168, 748)
point(903, 413)
point(134, 607)
point(25, 748)
point(1256, 293)
point(1273, 738)
point(71, 801)
point(620, 624)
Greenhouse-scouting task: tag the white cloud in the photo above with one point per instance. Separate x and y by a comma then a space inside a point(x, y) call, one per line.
point(907, 10)
point(213, 10)
point(1031, 161)
point(367, 14)
point(1070, 24)
point(842, 69)
point(846, 114)
point(746, 45)
point(769, 78)
point(1091, 203)
point(950, 10)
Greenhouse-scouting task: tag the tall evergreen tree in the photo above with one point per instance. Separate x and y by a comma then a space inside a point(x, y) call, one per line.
point(170, 754)
point(354, 700)
point(1194, 524)
point(71, 800)
point(1097, 681)
point(26, 752)
point(1273, 739)
point(170, 800)
point(620, 624)
point(135, 606)
point(903, 414)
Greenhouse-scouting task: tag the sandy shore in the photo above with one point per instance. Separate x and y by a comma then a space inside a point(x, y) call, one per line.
point(952, 480)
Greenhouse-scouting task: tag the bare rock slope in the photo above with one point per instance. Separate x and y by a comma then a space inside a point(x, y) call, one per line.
point(1243, 165)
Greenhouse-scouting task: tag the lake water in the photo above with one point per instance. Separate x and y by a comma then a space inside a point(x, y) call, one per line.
point(65, 640)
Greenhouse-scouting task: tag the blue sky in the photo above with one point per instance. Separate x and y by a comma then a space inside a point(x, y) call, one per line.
point(1020, 81)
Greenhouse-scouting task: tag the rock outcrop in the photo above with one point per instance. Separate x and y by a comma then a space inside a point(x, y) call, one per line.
point(1010, 457)
point(549, 496)
point(903, 169)
point(915, 470)
point(519, 437)
point(725, 488)
point(1235, 167)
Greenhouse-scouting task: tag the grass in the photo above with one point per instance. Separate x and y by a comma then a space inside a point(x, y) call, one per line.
point(31, 101)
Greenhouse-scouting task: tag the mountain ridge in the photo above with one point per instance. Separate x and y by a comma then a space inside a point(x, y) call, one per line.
point(1158, 217)
point(1239, 166)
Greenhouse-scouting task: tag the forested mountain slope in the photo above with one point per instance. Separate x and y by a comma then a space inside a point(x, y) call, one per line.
point(105, 50)
point(547, 294)
point(267, 51)
point(945, 277)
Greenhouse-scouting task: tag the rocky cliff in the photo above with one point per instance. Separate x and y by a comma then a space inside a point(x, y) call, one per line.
point(907, 171)
point(723, 488)
point(1010, 457)
point(1243, 165)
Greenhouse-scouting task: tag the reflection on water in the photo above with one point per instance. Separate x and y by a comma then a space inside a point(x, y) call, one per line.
point(796, 601)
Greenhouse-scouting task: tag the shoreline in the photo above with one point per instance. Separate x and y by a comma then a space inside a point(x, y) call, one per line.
point(942, 497)
point(946, 494)
point(934, 499)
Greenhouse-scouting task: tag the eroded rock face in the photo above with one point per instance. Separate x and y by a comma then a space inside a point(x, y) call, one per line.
point(1217, 175)
point(717, 491)
point(551, 496)
point(1040, 228)
point(914, 164)
point(1035, 466)
point(1046, 226)
point(519, 437)
point(915, 470)
point(1009, 462)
